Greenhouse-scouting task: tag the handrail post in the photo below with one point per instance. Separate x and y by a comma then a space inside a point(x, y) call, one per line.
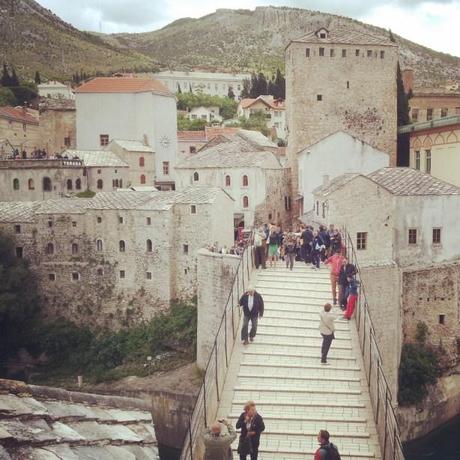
point(385, 426)
point(217, 372)
point(205, 410)
point(190, 437)
point(225, 336)
point(378, 393)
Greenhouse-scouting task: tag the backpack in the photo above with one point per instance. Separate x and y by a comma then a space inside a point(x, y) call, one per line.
point(331, 452)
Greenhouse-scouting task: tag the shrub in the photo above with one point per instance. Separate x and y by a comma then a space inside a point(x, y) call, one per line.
point(85, 194)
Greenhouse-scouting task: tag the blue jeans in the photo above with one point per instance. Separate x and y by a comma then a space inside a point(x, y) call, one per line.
point(244, 329)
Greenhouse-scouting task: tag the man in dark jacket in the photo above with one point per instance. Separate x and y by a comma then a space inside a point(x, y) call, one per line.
point(252, 425)
point(307, 238)
point(253, 308)
point(347, 270)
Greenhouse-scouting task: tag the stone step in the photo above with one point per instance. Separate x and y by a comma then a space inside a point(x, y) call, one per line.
point(293, 456)
point(306, 343)
point(303, 288)
point(339, 325)
point(339, 420)
point(289, 363)
point(281, 300)
point(296, 391)
point(313, 355)
point(290, 377)
point(291, 384)
point(295, 316)
point(309, 332)
point(301, 403)
point(321, 296)
point(299, 277)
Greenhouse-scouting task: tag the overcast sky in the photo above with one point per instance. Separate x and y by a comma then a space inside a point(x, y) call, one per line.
point(434, 23)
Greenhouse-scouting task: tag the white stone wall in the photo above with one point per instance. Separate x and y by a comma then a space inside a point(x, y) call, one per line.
point(210, 114)
point(107, 174)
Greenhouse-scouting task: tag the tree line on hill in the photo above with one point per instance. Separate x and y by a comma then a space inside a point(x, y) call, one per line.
point(259, 85)
point(16, 91)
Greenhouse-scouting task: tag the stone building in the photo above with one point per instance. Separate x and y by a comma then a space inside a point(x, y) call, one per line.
point(57, 125)
point(338, 79)
point(55, 90)
point(432, 104)
point(252, 175)
point(19, 128)
point(333, 156)
point(135, 109)
point(189, 142)
point(209, 114)
point(120, 257)
point(435, 147)
point(273, 109)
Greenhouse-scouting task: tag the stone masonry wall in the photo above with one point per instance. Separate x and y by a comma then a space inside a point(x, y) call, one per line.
point(55, 127)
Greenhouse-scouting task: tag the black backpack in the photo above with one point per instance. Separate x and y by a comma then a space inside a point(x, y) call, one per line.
point(332, 452)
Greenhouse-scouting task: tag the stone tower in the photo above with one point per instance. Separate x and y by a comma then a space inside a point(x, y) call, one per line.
point(340, 79)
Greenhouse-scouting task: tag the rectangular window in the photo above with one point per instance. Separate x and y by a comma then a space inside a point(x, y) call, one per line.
point(74, 224)
point(122, 274)
point(369, 53)
point(185, 248)
point(103, 139)
point(52, 276)
point(332, 52)
point(99, 220)
point(166, 168)
point(436, 236)
point(428, 161)
point(148, 275)
point(75, 276)
point(307, 52)
point(67, 141)
point(344, 53)
point(120, 220)
point(17, 229)
point(382, 54)
point(414, 115)
point(412, 236)
point(429, 114)
point(417, 159)
point(19, 252)
point(50, 223)
point(357, 53)
point(348, 85)
point(444, 112)
point(442, 319)
point(321, 51)
point(319, 97)
point(192, 149)
point(193, 209)
point(361, 241)
point(149, 221)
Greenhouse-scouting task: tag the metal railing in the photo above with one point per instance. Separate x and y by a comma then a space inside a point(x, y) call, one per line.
point(208, 398)
point(379, 390)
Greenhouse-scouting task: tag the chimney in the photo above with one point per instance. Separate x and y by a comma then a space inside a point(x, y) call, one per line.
point(408, 80)
point(326, 180)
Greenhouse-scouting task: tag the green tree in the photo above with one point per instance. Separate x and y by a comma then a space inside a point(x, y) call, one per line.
point(7, 97)
point(262, 85)
point(6, 77)
point(254, 86)
point(230, 93)
point(280, 85)
point(38, 79)
point(14, 78)
point(184, 124)
point(246, 91)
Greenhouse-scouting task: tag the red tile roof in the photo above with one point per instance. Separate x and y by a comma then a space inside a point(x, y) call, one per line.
point(212, 132)
point(277, 104)
point(18, 114)
point(191, 136)
point(123, 85)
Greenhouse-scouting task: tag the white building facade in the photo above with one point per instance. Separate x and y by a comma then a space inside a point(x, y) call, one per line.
point(208, 114)
point(55, 90)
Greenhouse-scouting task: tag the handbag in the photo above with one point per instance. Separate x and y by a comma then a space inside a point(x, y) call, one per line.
point(244, 446)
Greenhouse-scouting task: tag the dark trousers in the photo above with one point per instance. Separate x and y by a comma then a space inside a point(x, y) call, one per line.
point(315, 258)
point(289, 258)
point(255, 453)
point(244, 329)
point(259, 256)
point(327, 340)
point(343, 296)
point(305, 251)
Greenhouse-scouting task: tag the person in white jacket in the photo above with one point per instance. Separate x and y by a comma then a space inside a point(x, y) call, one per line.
point(327, 329)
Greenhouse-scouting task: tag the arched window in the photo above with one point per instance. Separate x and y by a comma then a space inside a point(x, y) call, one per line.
point(74, 248)
point(196, 176)
point(69, 184)
point(47, 185)
point(141, 162)
point(245, 181)
point(149, 246)
point(15, 184)
point(49, 249)
point(99, 245)
point(78, 184)
point(30, 184)
point(245, 202)
point(142, 179)
point(122, 246)
point(100, 184)
point(228, 181)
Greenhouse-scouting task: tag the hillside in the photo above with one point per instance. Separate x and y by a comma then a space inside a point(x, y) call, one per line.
point(33, 38)
point(247, 40)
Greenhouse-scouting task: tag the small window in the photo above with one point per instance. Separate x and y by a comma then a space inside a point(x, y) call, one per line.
point(75, 276)
point(100, 184)
point(369, 53)
point(317, 208)
point(142, 180)
point(382, 54)
point(52, 276)
point(99, 220)
point(69, 184)
point(321, 51)
point(193, 209)
point(307, 52)
point(31, 184)
point(444, 112)
point(442, 319)
point(412, 235)
point(141, 162)
point(357, 53)
point(196, 176)
point(245, 181)
point(414, 115)
point(429, 114)
point(148, 275)
point(74, 248)
point(149, 246)
point(50, 223)
point(332, 52)
point(120, 220)
point(322, 35)
point(417, 159)
point(100, 272)
point(344, 53)
point(165, 168)
point(192, 149)
point(99, 171)
point(104, 139)
point(17, 229)
point(74, 224)
point(148, 221)
point(436, 236)
point(228, 181)
point(78, 184)
point(99, 245)
point(319, 97)
point(49, 250)
point(245, 202)
point(122, 246)
point(15, 184)
point(361, 241)
point(348, 85)
point(67, 141)
point(19, 252)
point(428, 161)
point(122, 274)
point(185, 248)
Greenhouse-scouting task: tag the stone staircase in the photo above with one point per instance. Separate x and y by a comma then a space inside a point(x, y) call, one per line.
point(281, 371)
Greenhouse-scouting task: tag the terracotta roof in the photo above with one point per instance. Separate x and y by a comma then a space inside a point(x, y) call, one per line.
point(191, 136)
point(17, 114)
point(219, 131)
point(123, 85)
point(276, 104)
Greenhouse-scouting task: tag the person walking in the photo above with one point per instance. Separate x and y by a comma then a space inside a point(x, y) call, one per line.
point(217, 443)
point(273, 244)
point(353, 285)
point(290, 242)
point(252, 425)
point(317, 247)
point(347, 270)
point(259, 248)
point(306, 249)
point(326, 450)
point(327, 329)
point(335, 261)
point(253, 309)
